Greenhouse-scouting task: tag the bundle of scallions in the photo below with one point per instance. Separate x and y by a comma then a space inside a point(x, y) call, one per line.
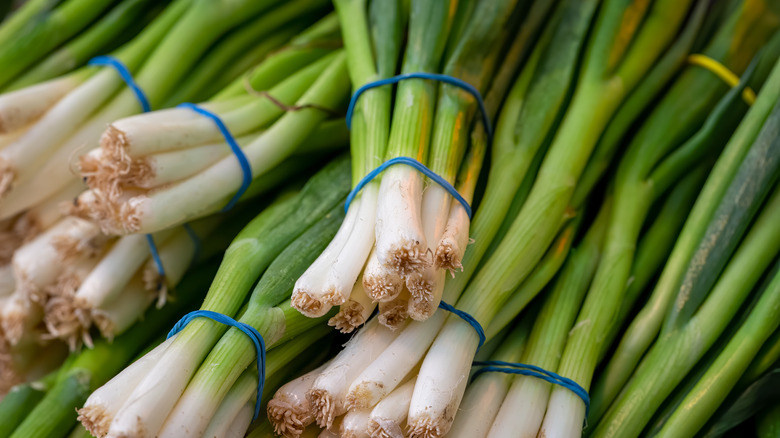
point(66, 275)
point(602, 187)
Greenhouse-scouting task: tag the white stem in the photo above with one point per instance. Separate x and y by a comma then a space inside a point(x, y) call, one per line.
point(289, 411)
point(174, 166)
point(48, 212)
point(442, 380)
point(147, 406)
point(328, 393)
point(381, 284)
point(176, 255)
point(60, 166)
point(238, 427)
point(479, 407)
point(58, 123)
point(355, 311)
point(346, 268)
point(355, 424)
point(112, 274)
point(389, 368)
point(523, 409)
point(237, 398)
point(389, 415)
point(151, 134)
point(400, 239)
point(565, 415)
point(38, 263)
point(104, 403)
point(308, 293)
point(11, 137)
point(22, 107)
point(452, 245)
point(117, 315)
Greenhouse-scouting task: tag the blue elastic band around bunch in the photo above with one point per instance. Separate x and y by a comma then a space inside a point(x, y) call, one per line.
point(246, 169)
point(127, 77)
point(534, 371)
point(468, 318)
point(449, 80)
point(417, 165)
point(411, 161)
point(124, 73)
point(254, 336)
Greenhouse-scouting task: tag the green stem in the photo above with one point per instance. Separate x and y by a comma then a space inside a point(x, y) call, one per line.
point(112, 28)
point(699, 405)
point(47, 33)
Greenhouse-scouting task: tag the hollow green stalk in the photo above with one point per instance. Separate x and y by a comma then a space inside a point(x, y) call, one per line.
point(678, 348)
point(523, 409)
point(34, 41)
point(102, 36)
point(648, 322)
point(209, 73)
point(699, 405)
point(235, 351)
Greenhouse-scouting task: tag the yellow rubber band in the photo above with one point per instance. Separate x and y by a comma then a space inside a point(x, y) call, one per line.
point(721, 71)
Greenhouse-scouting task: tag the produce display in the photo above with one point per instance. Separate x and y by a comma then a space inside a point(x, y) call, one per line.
point(390, 218)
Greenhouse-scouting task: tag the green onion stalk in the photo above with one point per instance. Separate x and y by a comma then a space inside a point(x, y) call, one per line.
point(721, 270)
point(157, 64)
point(47, 408)
point(654, 248)
point(142, 400)
point(644, 328)
point(645, 173)
point(117, 26)
point(209, 189)
point(23, 16)
point(236, 410)
point(372, 38)
point(45, 32)
point(523, 409)
point(486, 392)
point(260, 37)
point(611, 69)
point(735, 409)
point(234, 351)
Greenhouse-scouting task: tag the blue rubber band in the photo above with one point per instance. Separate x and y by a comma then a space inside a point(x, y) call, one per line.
point(417, 165)
point(534, 371)
point(242, 160)
point(155, 255)
point(124, 73)
point(433, 76)
point(127, 77)
point(250, 331)
point(469, 319)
